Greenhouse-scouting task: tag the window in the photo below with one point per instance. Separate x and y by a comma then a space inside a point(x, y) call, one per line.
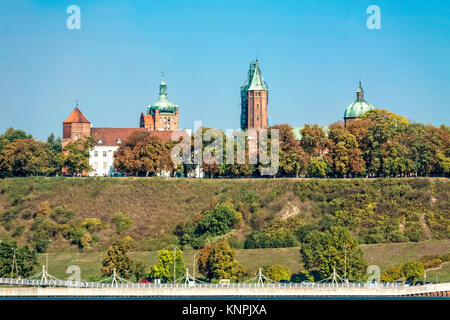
point(100, 141)
point(96, 165)
point(104, 154)
point(104, 165)
point(76, 136)
point(95, 153)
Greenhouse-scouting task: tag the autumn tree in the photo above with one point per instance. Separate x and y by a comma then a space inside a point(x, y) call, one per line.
point(293, 159)
point(25, 157)
point(116, 258)
point(219, 262)
point(143, 155)
point(313, 140)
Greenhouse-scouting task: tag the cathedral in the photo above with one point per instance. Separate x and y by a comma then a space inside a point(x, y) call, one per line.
point(162, 118)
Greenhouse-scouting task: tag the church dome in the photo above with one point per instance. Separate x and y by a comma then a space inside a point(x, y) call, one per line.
point(163, 104)
point(359, 107)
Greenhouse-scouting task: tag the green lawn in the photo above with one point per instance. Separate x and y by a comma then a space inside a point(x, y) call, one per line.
point(384, 255)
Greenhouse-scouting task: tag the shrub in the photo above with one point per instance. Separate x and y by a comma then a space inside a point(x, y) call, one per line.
point(27, 214)
point(122, 222)
point(277, 272)
point(92, 224)
point(18, 231)
point(43, 210)
point(60, 215)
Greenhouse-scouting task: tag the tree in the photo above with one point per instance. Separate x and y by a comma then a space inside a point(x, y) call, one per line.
point(164, 268)
point(220, 262)
point(25, 157)
point(138, 270)
point(219, 220)
point(25, 258)
point(334, 248)
point(116, 258)
point(317, 167)
point(55, 143)
point(143, 155)
point(412, 270)
point(277, 272)
point(77, 159)
point(313, 140)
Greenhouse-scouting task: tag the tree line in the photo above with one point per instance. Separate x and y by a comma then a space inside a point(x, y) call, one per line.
point(379, 144)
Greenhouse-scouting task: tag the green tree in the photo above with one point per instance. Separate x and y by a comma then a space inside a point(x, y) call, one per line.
point(324, 251)
point(138, 270)
point(317, 167)
point(26, 260)
point(277, 272)
point(219, 220)
point(412, 271)
point(77, 159)
point(164, 268)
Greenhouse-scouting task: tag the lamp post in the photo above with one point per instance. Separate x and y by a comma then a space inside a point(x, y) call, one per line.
point(174, 257)
point(345, 261)
point(14, 263)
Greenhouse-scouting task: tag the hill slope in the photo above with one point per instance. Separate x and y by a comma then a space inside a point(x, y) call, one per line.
point(376, 210)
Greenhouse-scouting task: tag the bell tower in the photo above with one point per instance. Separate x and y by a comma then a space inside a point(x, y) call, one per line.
point(254, 99)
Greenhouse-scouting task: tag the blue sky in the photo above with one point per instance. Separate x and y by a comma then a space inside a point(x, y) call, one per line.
point(312, 55)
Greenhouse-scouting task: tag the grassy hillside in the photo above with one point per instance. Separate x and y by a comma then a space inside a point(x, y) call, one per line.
point(376, 210)
point(384, 255)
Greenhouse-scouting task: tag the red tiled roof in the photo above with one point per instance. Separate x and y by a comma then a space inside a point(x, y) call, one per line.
point(76, 117)
point(110, 136)
point(163, 135)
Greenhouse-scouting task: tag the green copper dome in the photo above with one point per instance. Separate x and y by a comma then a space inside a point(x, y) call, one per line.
point(163, 104)
point(359, 107)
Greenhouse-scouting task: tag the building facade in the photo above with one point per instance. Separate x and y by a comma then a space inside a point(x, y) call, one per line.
point(101, 157)
point(254, 100)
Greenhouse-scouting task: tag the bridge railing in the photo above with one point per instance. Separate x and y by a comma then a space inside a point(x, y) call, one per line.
point(100, 285)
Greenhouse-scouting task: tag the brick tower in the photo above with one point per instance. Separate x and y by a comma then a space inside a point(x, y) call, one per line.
point(76, 126)
point(163, 115)
point(254, 99)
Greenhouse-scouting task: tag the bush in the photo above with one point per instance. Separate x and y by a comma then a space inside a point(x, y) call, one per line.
point(275, 239)
point(27, 214)
point(122, 222)
point(277, 272)
point(92, 224)
point(43, 210)
point(60, 215)
point(18, 231)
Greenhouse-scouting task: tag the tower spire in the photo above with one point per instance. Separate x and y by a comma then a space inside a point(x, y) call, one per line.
point(360, 92)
